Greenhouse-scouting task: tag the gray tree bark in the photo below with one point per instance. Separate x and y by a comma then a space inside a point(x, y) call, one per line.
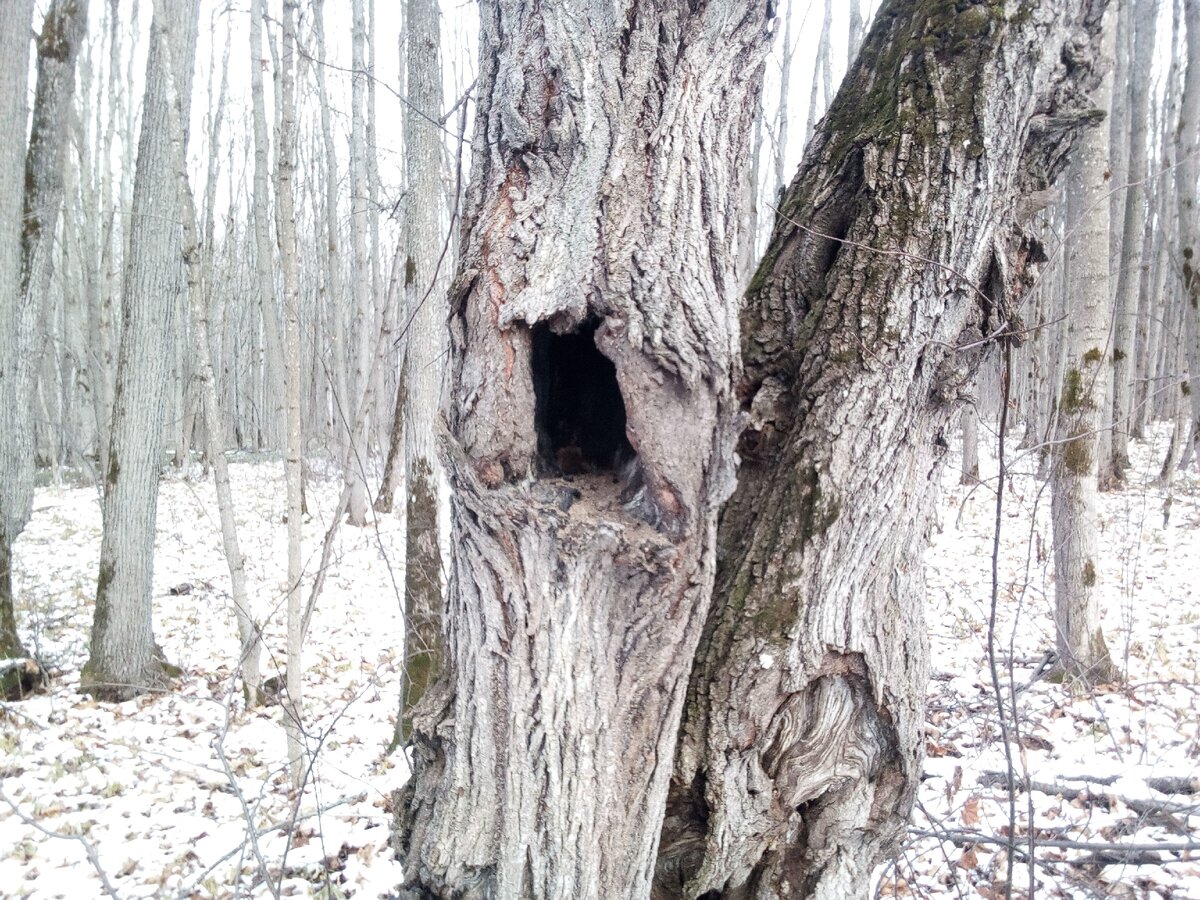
point(1187, 152)
point(801, 743)
point(1084, 406)
point(31, 232)
point(423, 648)
point(123, 660)
point(1125, 305)
point(361, 280)
point(16, 480)
point(285, 226)
point(611, 145)
point(576, 604)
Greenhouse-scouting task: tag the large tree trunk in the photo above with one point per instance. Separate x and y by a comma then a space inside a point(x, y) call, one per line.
point(123, 660)
point(594, 350)
point(57, 48)
point(1083, 406)
point(603, 189)
point(900, 247)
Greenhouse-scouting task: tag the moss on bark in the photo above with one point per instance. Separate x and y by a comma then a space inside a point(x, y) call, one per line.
point(423, 645)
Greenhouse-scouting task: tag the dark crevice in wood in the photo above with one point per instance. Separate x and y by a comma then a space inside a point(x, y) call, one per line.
point(580, 413)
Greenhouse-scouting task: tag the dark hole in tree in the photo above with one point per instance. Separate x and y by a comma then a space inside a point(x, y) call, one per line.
point(580, 414)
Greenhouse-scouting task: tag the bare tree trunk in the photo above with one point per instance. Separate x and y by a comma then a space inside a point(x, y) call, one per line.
point(781, 121)
point(594, 350)
point(270, 402)
point(801, 743)
point(423, 649)
point(30, 239)
point(1083, 407)
point(970, 444)
point(16, 476)
point(1118, 179)
point(858, 29)
point(539, 757)
point(286, 228)
point(1125, 306)
point(124, 659)
point(1187, 152)
point(333, 282)
point(361, 279)
point(820, 73)
point(249, 631)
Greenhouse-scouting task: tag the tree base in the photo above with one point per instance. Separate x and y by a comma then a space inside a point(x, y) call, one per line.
point(20, 678)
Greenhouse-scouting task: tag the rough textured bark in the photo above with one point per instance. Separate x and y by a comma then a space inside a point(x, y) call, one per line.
point(597, 275)
point(1083, 408)
point(20, 244)
point(1125, 303)
point(801, 745)
point(1187, 152)
point(423, 649)
point(123, 660)
point(16, 446)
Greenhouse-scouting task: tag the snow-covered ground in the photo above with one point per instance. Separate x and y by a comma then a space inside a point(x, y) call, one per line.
point(164, 788)
point(167, 790)
point(1126, 735)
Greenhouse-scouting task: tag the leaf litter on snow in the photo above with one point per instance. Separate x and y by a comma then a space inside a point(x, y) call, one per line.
point(1098, 762)
point(164, 787)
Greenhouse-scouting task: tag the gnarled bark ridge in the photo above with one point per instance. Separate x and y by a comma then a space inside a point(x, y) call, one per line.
point(594, 353)
point(897, 249)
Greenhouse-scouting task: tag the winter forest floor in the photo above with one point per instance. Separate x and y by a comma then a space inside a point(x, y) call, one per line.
point(162, 789)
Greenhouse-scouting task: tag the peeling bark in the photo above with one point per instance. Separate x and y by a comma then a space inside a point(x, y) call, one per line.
point(899, 242)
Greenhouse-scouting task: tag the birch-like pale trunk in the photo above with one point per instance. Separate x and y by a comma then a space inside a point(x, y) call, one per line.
point(1118, 178)
point(249, 631)
point(124, 661)
point(423, 646)
point(16, 321)
point(361, 281)
point(781, 120)
point(592, 325)
point(970, 444)
point(858, 28)
point(1187, 152)
point(1083, 405)
point(290, 265)
point(267, 397)
point(1125, 304)
point(800, 750)
point(821, 73)
point(336, 335)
